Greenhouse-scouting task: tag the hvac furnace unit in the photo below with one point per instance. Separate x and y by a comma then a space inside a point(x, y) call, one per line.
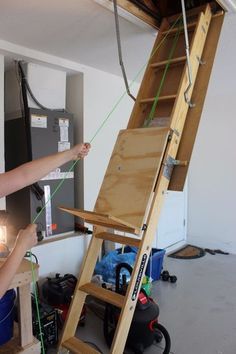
point(50, 132)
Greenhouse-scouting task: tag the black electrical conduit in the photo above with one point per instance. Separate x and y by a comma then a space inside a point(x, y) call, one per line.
point(35, 187)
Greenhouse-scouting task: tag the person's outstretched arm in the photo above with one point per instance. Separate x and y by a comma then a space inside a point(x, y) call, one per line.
point(26, 239)
point(33, 171)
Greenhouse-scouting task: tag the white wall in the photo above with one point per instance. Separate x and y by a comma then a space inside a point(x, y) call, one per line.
point(212, 175)
point(2, 165)
point(64, 256)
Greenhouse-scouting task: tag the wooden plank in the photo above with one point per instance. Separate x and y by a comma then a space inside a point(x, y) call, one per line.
point(193, 117)
point(76, 346)
point(161, 98)
point(25, 315)
point(131, 174)
point(103, 294)
point(25, 342)
point(191, 26)
point(123, 240)
point(174, 61)
point(102, 220)
point(23, 275)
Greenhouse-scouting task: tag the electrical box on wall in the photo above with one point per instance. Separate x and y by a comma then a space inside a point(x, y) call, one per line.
point(51, 131)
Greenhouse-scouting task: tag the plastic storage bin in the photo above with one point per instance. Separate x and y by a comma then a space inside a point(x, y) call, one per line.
point(155, 263)
point(6, 316)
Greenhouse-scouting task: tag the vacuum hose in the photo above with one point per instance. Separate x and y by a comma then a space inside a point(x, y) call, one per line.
point(166, 335)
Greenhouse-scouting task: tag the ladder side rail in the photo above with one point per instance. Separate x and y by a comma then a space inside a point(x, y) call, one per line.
point(86, 273)
point(181, 107)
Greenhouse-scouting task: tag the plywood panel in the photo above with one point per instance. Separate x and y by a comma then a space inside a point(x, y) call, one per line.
point(131, 174)
point(101, 220)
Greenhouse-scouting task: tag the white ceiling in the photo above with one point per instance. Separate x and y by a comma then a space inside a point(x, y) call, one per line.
point(78, 30)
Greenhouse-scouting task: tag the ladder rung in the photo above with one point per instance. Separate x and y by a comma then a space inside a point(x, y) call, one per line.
point(161, 98)
point(179, 60)
point(119, 239)
point(77, 346)
point(176, 29)
point(103, 294)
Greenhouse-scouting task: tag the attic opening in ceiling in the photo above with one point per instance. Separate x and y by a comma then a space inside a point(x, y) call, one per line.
point(157, 9)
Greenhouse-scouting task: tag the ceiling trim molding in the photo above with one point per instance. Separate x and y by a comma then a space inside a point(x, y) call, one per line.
point(228, 5)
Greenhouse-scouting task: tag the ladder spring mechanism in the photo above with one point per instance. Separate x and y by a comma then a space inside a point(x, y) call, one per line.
point(187, 100)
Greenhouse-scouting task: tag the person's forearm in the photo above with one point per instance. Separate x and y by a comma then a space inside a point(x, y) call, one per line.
point(9, 268)
point(33, 171)
point(37, 169)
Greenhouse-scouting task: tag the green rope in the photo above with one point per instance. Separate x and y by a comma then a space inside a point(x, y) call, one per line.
point(72, 167)
point(37, 303)
point(153, 109)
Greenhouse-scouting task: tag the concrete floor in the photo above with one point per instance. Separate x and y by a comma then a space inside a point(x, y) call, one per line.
point(199, 311)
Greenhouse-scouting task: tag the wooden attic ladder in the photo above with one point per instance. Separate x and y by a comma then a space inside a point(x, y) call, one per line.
point(144, 164)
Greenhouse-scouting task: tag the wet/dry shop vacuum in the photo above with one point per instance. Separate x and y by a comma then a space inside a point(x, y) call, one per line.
point(145, 329)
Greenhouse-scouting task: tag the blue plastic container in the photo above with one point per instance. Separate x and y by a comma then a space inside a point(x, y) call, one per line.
point(155, 263)
point(6, 316)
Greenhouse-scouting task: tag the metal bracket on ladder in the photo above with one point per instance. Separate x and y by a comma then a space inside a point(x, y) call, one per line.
point(187, 100)
point(201, 62)
point(169, 165)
